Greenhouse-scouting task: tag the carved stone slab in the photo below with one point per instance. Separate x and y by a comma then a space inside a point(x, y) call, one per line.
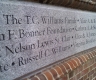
point(33, 36)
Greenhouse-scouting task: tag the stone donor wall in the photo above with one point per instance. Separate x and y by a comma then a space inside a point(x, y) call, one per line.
point(33, 36)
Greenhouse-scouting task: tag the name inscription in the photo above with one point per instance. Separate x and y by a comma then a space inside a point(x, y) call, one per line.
point(31, 39)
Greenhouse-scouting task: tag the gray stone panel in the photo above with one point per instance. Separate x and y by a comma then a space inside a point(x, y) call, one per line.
point(33, 36)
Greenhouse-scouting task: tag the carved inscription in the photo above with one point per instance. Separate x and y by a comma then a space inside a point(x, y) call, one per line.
point(31, 40)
